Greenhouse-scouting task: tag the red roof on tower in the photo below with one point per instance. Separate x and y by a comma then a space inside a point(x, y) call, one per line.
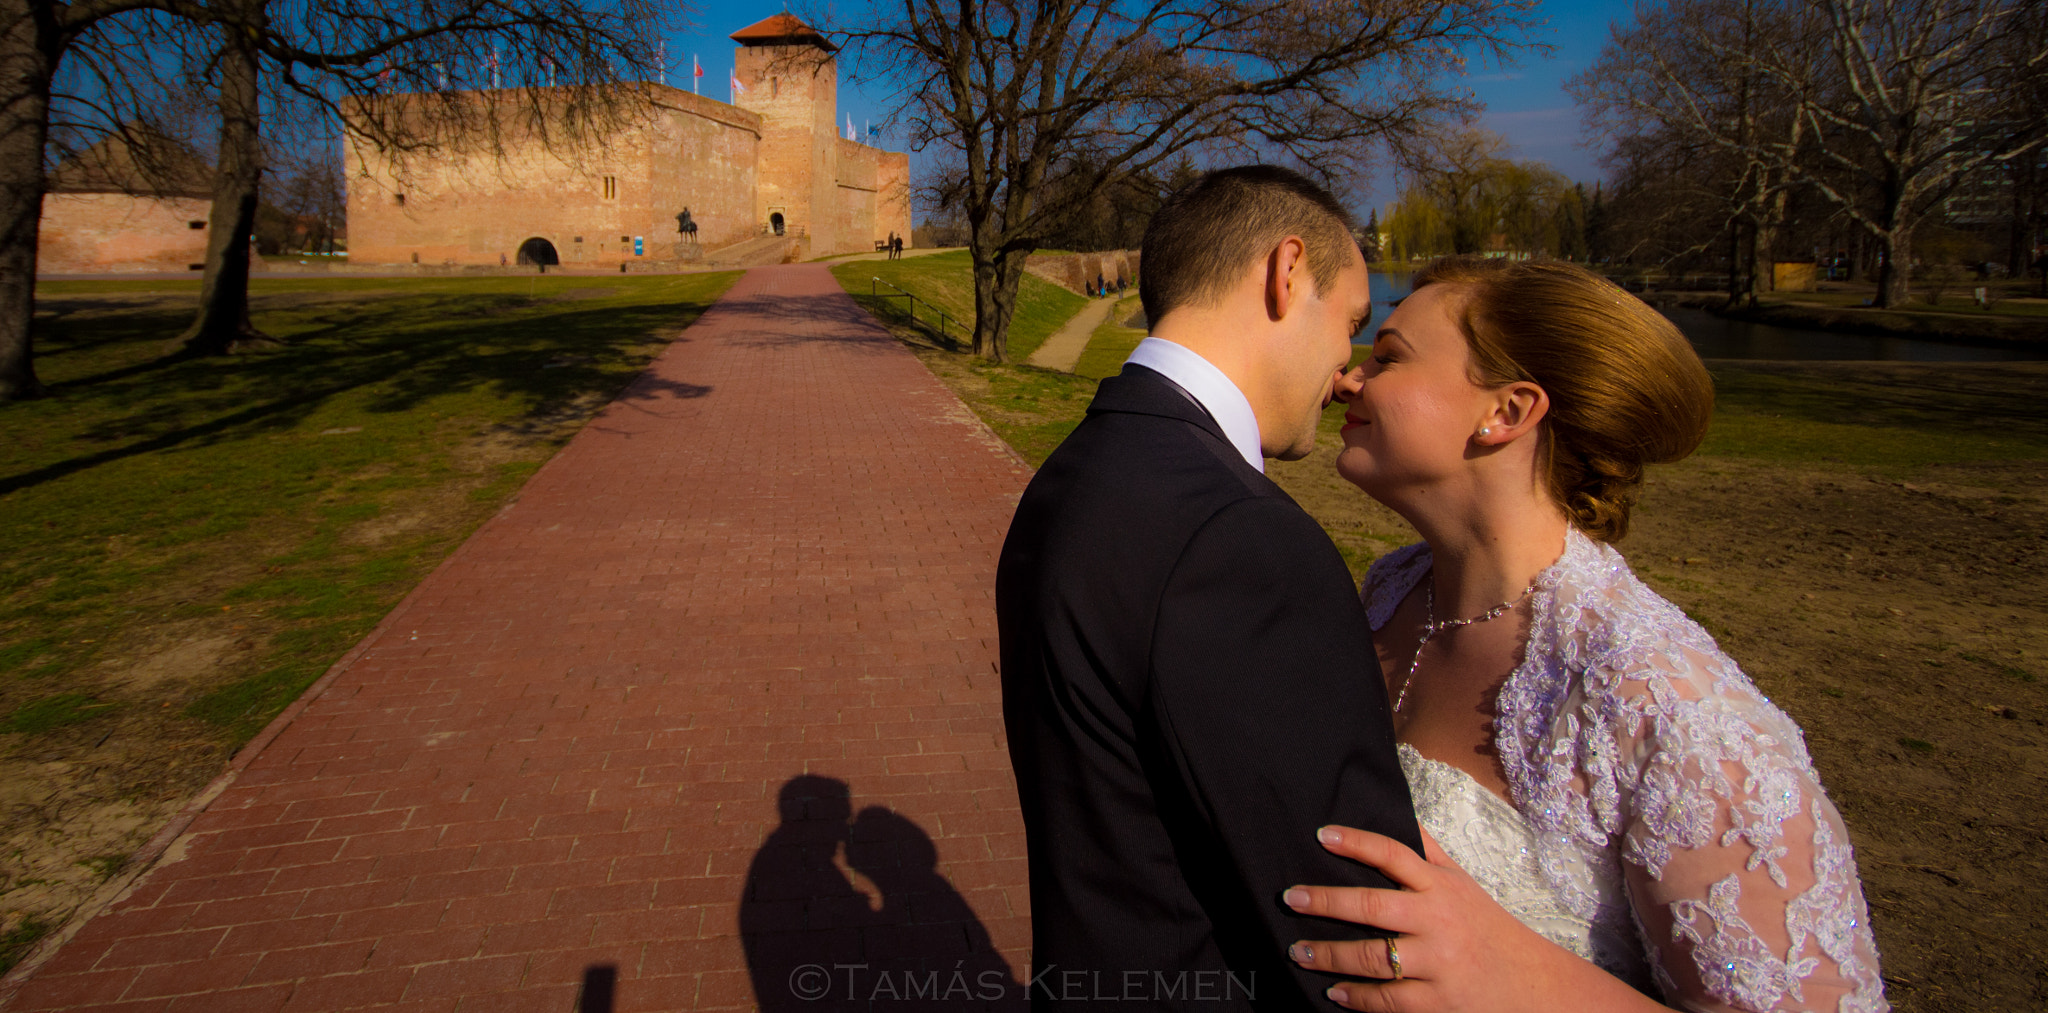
point(781, 30)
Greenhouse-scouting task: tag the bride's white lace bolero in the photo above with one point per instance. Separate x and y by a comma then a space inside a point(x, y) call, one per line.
point(1653, 776)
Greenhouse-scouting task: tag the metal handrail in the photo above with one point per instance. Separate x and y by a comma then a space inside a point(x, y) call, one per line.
point(876, 293)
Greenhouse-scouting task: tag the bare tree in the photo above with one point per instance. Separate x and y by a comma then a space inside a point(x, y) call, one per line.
point(1701, 73)
point(347, 56)
point(325, 52)
point(1909, 109)
point(35, 36)
point(1040, 107)
point(1666, 202)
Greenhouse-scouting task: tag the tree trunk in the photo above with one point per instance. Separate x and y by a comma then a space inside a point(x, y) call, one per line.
point(1895, 267)
point(998, 277)
point(998, 274)
point(223, 323)
point(987, 342)
point(2019, 237)
point(1763, 243)
point(1736, 286)
point(25, 66)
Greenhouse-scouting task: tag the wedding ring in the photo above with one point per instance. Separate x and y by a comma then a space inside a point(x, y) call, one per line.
point(1394, 958)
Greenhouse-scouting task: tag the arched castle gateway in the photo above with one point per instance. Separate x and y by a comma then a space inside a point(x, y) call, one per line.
point(771, 165)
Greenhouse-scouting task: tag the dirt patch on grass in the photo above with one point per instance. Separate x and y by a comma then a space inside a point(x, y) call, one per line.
point(1906, 629)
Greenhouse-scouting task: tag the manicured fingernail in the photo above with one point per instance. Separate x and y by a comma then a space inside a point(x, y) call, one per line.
point(1329, 835)
point(1297, 898)
point(1302, 953)
point(1337, 994)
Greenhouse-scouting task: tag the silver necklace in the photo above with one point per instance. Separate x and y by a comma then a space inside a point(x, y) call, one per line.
point(1431, 627)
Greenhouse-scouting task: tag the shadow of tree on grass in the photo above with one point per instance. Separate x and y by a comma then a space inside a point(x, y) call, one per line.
point(392, 355)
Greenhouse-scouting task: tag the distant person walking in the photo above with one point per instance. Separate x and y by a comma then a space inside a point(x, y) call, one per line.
point(895, 246)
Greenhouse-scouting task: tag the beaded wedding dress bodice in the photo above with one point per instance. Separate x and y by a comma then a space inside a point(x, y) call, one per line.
point(1666, 822)
point(1492, 842)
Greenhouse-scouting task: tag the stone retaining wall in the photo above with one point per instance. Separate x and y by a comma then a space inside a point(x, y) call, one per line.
point(1076, 271)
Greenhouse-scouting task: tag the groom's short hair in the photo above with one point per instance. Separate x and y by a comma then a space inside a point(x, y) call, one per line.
point(1201, 240)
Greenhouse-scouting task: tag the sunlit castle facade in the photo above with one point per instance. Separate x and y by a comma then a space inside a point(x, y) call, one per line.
point(770, 165)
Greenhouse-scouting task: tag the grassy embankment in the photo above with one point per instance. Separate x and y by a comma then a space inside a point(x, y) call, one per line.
point(189, 543)
point(1953, 317)
point(945, 280)
point(1866, 539)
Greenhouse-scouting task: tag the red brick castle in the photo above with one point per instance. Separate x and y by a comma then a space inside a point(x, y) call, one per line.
point(770, 166)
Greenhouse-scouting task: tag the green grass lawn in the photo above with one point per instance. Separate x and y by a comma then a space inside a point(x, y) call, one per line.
point(1895, 418)
point(283, 500)
point(1954, 299)
point(1112, 342)
point(186, 545)
point(946, 280)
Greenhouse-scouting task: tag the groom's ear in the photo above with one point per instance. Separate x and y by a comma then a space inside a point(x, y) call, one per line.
point(1287, 277)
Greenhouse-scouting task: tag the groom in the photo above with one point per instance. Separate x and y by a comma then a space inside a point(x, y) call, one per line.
point(1189, 684)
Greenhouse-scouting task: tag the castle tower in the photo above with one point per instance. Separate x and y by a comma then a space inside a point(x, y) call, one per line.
point(788, 75)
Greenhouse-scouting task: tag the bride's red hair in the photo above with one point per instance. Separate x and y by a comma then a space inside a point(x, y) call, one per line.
point(1626, 389)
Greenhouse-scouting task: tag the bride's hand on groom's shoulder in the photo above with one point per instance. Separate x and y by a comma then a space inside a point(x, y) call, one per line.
point(1457, 949)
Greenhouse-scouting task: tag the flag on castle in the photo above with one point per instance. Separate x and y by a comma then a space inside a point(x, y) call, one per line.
point(661, 60)
point(850, 135)
point(696, 73)
point(738, 89)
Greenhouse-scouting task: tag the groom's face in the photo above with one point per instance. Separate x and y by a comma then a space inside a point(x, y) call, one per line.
point(1315, 352)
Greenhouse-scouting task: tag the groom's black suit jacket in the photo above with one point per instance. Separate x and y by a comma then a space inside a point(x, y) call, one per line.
point(1189, 690)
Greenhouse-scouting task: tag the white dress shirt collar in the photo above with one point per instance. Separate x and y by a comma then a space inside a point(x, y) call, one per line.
point(1210, 388)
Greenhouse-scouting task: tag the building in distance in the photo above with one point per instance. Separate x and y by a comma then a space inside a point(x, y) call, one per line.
point(765, 178)
point(134, 202)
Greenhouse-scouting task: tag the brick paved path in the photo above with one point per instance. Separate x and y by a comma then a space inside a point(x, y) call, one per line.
point(772, 556)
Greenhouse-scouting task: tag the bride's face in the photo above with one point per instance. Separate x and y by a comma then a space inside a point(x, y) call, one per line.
point(1412, 409)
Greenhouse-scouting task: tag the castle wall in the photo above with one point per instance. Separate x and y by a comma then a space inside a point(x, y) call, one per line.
point(1077, 272)
point(708, 161)
point(873, 198)
point(859, 173)
point(892, 195)
point(472, 207)
point(795, 91)
point(90, 233)
point(775, 154)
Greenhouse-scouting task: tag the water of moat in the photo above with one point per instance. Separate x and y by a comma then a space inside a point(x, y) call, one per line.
point(1719, 338)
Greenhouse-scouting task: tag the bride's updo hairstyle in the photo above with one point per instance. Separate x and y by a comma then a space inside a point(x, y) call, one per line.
point(1625, 387)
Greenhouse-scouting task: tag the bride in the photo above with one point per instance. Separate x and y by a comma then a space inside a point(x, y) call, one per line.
point(1616, 818)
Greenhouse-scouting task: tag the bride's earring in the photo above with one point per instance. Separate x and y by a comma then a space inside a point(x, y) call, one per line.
point(1485, 431)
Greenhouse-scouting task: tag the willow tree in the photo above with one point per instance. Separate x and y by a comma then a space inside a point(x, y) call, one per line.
point(1464, 193)
point(1036, 108)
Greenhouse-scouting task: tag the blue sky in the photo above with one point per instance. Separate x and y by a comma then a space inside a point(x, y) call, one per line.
point(1525, 102)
